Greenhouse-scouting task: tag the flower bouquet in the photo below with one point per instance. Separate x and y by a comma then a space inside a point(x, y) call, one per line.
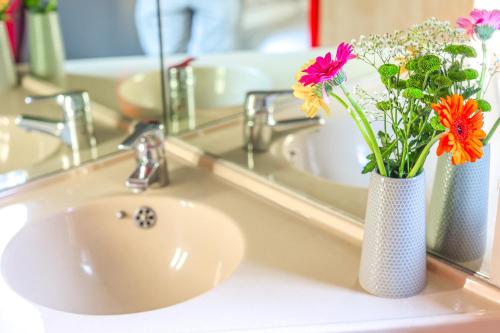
point(7, 69)
point(427, 97)
point(46, 49)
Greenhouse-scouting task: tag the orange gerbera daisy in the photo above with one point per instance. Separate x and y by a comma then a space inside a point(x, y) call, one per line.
point(464, 123)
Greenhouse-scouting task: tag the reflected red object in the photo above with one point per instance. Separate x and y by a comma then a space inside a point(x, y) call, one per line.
point(14, 26)
point(314, 22)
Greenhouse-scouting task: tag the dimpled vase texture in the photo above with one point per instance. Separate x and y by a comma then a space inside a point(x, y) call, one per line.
point(458, 215)
point(393, 257)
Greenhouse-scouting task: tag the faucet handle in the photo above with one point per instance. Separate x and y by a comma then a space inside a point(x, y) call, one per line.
point(143, 130)
point(70, 101)
point(260, 100)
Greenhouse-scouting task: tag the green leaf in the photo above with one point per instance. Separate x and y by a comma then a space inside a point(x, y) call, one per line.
point(436, 124)
point(370, 166)
point(483, 105)
point(468, 92)
point(384, 137)
point(388, 70)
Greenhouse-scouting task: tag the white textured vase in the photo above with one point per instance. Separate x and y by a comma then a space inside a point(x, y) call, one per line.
point(393, 258)
point(458, 215)
point(8, 77)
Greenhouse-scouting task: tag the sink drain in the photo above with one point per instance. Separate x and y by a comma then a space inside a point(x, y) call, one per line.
point(145, 217)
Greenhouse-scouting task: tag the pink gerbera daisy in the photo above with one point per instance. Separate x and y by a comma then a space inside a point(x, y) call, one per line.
point(481, 22)
point(325, 68)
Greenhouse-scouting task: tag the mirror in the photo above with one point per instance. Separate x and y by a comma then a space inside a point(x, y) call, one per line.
point(82, 56)
point(322, 163)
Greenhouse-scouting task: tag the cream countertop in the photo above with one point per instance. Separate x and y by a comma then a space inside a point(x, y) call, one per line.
point(294, 276)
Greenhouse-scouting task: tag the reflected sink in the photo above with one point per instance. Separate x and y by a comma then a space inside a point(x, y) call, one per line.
point(335, 152)
point(87, 260)
point(216, 88)
point(20, 149)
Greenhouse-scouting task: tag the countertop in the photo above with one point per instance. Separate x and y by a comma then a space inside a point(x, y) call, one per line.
point(294, 277)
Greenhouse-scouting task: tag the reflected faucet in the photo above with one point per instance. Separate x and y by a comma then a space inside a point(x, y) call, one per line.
point(76, 130)
point(147, 140)
point(260, 124)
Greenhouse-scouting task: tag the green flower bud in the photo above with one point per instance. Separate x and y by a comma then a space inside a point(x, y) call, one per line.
point(457, 76)
point(384, 105)
point(451, 49)
point(441, 81)
point(470, 74)
point(413, 93)
point(466, 51)
point(483, 105)
point(411, 65)
point(388, 70)
point(429, 63)
point(416, 81)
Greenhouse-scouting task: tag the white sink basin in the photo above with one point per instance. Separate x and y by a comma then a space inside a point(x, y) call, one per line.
point(20, 149)
point(88, 261)
point(336, 153)
point(215, 88)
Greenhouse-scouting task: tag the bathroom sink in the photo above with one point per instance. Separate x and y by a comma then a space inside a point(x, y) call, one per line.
point(20, 149)
point(216, 88)
point(111, 257)
point(336, 154)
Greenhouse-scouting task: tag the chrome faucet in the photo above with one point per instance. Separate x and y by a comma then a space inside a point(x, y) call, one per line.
point(260, 124)
point(147, 140)
point(76, 130)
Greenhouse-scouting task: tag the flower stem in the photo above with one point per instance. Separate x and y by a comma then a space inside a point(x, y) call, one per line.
point(422, 157)
point(483, 71)
point(370, 135)
point(492, 131)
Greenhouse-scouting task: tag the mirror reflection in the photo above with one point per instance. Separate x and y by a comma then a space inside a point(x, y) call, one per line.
point(64, 82)
point(322, 158)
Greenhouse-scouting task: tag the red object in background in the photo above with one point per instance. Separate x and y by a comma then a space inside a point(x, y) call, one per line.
point(13, 26)
point(314, 22)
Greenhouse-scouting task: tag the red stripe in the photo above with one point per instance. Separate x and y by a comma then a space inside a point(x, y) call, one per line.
point(314, 22)
point(11, 25)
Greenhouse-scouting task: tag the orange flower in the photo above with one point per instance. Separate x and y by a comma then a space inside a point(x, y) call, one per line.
point(464, 124)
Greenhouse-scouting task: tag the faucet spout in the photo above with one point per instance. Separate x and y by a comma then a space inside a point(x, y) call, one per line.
point(260, 124)
point(298, 123)
point(76, 130)
point(143, 176)
point(151, 170)
point(51, 127)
